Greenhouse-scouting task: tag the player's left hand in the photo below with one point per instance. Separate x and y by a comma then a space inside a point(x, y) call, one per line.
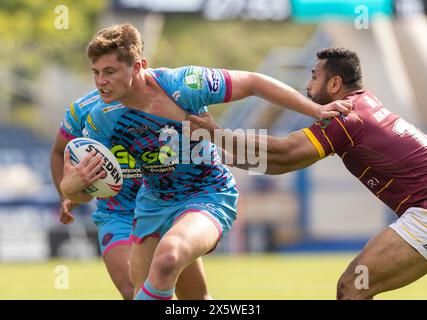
point(65, 214)
point(334, 109)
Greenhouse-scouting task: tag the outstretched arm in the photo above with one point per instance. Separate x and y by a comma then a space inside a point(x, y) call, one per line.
point(282, 154)
point(247, 84)
point(290, 153)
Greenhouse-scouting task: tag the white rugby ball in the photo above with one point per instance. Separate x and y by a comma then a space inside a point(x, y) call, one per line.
point(105, 187)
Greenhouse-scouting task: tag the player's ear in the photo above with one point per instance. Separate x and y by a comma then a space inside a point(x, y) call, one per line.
point(140, 64)
point(335, 84)
point(137, 66)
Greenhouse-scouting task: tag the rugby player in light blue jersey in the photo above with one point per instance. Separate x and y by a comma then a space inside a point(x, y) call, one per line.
point(188, 199)
point(114, 215)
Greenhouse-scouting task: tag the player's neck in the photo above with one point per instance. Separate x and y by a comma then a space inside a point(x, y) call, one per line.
point(138, 96)
point(344, 92)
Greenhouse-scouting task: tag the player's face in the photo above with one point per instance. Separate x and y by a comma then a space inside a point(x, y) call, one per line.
point(113, 78)
point(317, 87)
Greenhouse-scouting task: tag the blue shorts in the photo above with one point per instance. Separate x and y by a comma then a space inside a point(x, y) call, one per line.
point(154, 217)
point(114, 229)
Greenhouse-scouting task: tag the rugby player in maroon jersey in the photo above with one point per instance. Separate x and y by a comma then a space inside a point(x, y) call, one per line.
point(385, 152)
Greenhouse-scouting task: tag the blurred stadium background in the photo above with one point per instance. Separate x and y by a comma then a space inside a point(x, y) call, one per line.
point(295, 233)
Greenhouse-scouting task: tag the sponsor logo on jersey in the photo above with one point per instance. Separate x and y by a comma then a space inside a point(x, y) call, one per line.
point(123, 156)
point(90, 122)
point(107, 238)
point(161, 155)
point(212, 79)
point(91, 99)
point(324, 123)
point(132, 173)
point(165, 155)
point(372, 182)
point(67, 125)
point(111, 108)
point(138, 130)
point(193, 80)
point(127, 162)
point(159, 168)
point(176, 95)
point(73, 112)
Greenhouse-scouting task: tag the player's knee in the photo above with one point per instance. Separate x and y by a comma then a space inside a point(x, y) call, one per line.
point(124, 283)
point(168, 259)
point(343, 291)
point(348, 290)
point(167, 263)
point(126, 290)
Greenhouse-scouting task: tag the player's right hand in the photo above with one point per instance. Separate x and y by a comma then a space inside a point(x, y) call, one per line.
point(334, 109)
point(79, 177)
point(65, 214)
point(203, 121)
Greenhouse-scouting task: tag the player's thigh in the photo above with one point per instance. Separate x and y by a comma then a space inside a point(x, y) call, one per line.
point(389, 263)
point(191, 284)
point(192, 235)
point(117, 261)
point(141, 255)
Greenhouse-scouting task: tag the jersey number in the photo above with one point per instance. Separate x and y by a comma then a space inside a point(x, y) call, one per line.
point(402, 127)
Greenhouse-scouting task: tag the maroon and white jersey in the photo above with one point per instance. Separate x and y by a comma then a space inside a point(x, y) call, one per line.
point(385, 152)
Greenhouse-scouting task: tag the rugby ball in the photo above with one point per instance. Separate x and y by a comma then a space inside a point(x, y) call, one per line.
point(105, 187)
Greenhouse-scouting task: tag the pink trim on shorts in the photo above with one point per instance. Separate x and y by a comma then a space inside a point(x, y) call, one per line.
point(155, 296)
point(66, 135)
point(135, 239)
point(115, 244)
point(228, 85)
point(207, 215)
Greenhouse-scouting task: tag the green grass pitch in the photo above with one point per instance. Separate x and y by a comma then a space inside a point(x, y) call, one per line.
point(277, 277)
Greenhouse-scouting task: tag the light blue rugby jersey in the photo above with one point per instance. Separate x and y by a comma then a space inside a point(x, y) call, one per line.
point(168, 173)
point(76, 116)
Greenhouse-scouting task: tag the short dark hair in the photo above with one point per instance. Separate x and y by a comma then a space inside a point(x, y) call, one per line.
point(344, 63)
